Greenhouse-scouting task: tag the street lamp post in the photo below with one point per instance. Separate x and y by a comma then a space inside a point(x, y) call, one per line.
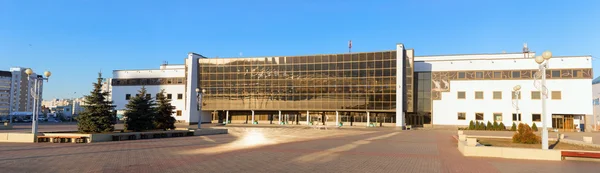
point(199, 104)
point(517, 90)
point(543, 65)
point(36, 97)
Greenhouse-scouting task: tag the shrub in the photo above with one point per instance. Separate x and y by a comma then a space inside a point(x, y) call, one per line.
point(534, 127)
point(471, 125)
point(513, 127)
point(490, 126)
point(501, 126)
point(525, 135)
point(482, 126)
point(496, 127)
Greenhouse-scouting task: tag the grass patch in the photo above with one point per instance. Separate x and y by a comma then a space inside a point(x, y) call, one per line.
point(553, 144)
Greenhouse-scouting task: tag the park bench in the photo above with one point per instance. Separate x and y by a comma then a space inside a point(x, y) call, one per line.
point(120, 137)
point(580, 154)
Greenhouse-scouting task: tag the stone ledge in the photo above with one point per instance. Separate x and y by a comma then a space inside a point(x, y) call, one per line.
point(507, 152)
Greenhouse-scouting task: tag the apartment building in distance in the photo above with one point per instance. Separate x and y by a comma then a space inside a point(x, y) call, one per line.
point(16, 91)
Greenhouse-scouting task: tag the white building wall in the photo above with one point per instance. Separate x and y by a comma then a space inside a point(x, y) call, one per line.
point(596, 103)
point(119, 93)
point(575, 92)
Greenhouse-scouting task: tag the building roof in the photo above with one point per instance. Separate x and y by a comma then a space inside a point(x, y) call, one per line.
point(5, 73)
point(595, 81)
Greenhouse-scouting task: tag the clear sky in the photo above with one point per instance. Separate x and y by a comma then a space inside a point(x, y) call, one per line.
point(76, 39)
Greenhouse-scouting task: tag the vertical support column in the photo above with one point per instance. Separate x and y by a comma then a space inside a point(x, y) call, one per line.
point(337, 117)
point(252, 116)
point(307, 117)
point(192, 107)
point(227, 117)
point(279, 118)
point(544, 116)
point(400, 71)
point(368, 119)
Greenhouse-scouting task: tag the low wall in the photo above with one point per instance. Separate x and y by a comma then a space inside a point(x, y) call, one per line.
point(16, 137)
point(508, 153)
point(210, 131)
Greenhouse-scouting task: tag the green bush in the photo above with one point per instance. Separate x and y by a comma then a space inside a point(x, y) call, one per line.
point(501, 126)
point(471, 125)
point(496, 127)
point(513, 127)
point(534, 127)
point(489, 126)
point(525, 135)
point(482, 126)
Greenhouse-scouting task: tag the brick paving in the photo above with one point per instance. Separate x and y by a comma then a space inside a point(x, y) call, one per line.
point(267, 149)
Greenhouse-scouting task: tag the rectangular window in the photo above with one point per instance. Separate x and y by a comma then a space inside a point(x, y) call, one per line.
point(516, 74)
point(536, 117)
point(462, 116)
point(555, 73)
point(478, 75)
point(535, 95)
point(497, 95)
point(461, 95)
point(179, 96)
point(479, 95)
point(516, 117)
point(479, 116)
point(556, 95)
point(169, 96)
point(127, 96)
point(497, 75)
point(461, 75)
point(178, 112)
point(577, 74)
point(498, 117)
point(516, 95)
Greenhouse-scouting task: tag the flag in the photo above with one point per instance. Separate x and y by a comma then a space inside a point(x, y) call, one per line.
point(350, 44)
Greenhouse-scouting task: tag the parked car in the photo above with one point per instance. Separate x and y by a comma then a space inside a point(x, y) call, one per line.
point(42, 119)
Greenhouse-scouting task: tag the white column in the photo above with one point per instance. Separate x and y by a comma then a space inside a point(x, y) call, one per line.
point(337, 117)
point(279, 117)
point(191, 97)
point(227, 117)
point(544, 117)
point(307, 117)
point(34, 118)
point(368, 119)
point(252, 117)
point(400, 85)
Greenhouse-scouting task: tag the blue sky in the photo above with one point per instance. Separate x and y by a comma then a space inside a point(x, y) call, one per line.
point(76, 39)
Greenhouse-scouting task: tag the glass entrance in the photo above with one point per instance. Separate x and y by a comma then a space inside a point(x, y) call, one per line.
point(563, 122)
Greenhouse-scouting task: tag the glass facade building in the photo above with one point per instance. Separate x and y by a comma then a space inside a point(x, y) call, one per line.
point(348, 82)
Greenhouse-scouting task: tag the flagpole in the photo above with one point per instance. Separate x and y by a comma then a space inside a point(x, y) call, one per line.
point(350, 46)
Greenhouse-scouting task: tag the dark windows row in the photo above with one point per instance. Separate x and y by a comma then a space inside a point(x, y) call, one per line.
point(169, 96)
point(148, 81)
point(301, 67)
point(498, 117)
point(355, 57)
point(521, 74)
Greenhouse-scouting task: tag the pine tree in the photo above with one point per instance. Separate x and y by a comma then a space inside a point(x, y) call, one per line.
point(97, 116)
point(513, 127)
point(164, 110)
point(502, 127)
point(496, 126)
point(472, 125)
point(140, 112)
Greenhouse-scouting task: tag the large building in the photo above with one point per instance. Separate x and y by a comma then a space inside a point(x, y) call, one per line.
point(389, 88)
point(16, 91)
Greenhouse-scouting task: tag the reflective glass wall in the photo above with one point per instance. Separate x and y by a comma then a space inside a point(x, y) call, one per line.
point(358, 81)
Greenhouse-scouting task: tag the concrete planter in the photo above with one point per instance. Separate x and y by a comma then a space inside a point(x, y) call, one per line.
point(16, 137)
point(470, 147)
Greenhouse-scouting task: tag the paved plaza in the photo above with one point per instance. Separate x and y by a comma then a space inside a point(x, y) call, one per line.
point(268, 149)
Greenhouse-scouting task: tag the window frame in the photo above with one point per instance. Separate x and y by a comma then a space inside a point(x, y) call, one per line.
point(464, 114)
point(501, 116)
point(517, 117)
point(539, 94)
point(482, 95)
point(169, 96)
point(512, 95)
point(458, 95)
point(494, 95)
point(559, 95)
point(127, 96)
point(179, 96)
point(482, 116)
point(532, 119)
point(178, 113)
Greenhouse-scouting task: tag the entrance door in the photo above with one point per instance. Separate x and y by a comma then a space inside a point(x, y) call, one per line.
point(569, 123)
point(558, 122)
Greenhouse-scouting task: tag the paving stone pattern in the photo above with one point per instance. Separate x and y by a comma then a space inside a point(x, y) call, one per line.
point(263, 150)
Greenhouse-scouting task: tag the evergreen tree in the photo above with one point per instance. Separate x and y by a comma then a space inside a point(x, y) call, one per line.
point(472, 125)
point(164, 120)
point(501, 126)
point(140, 112)
point(496, 127)
point(534, 127)
point(97, 116)
point(513, 127)
point(489, 126)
